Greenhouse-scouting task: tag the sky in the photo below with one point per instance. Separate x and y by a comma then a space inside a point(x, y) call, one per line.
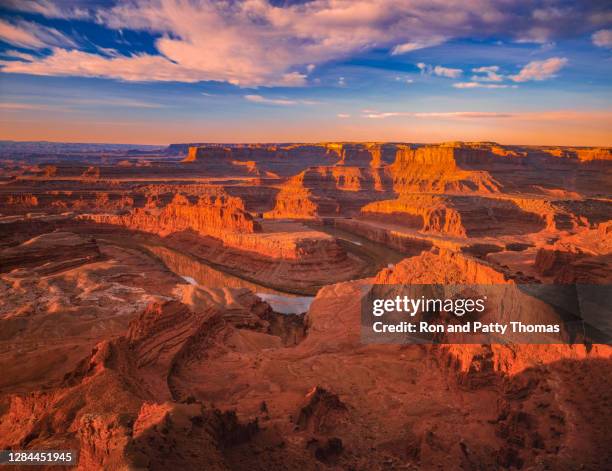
point(167, 71)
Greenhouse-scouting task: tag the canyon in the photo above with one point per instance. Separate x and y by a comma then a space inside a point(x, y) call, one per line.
point(198, 306)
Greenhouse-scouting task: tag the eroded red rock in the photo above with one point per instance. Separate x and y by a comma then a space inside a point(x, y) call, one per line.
point(131, 327)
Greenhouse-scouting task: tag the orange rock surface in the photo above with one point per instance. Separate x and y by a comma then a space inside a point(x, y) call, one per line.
point(210, 215)
point(133, 326)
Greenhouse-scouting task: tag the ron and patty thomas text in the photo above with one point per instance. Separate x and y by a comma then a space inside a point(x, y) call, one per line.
point(459, 307)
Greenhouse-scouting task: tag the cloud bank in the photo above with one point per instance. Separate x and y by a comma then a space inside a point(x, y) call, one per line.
point(253, 43)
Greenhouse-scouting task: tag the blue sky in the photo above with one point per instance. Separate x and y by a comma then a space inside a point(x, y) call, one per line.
point(147, 71)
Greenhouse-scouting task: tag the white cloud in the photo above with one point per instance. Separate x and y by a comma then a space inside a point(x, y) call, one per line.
point(535, 35)
point(540, 70)
point(32, 35)
point(418, 44)
point(439, 70)
point(408, 80)
point(254, 43)
point(342, 81)
point(343, 115)
point(278, 101)
point(479, 85)
point(487, 74)
point(447, 72)
point(602, 38)
point(388, 114)
point(143, 67)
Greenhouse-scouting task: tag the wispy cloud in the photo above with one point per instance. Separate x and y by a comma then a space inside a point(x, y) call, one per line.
point(49, 9)
point(418, 44)
point(78, 104)
point(278, 101)
point(480, 85)
point(343, 115)
point(32, 35)
point(464, 115)
point(19, 55)
point(403, 79)
point(444, 115)
point(114, 102)
point(16, 106)
point(439, 70)
point(138, 67)
point(383, 115)
point(602, 38)
point(567, 116)
point(487, 74)
point(540, 70)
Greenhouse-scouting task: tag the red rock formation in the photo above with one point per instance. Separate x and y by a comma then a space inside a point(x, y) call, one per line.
point(365, 155)
point(21, 200)
point(582, 154)
point(48, 253)
point(103, 407)
point(212, 215)
point(438, 169)
point(269, 159)
point(182, 376)
point(329, 191)
point(91, 173)
point(444, 267)
point(458, 216)
point(585, 257)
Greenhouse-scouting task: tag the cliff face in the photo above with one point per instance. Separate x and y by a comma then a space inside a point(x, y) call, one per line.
point(264, 160)
point(104, 407)
point(329, 191)
point(61, 201)
point(295, 201)
point(458, 216)
point(443, 267)
point(213, 215)
point(20, 201)
point(583, 154)
point(438, 169)
point(585, 257)
point(366, 155)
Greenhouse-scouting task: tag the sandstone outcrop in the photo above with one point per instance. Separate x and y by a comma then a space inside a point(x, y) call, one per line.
point(49, 253)
point(210, 215)
point(366, 155)
point(458, 216)
point(582, 258)
point(265, 159)
point(329, 191)
point(440, 169)
point(444, 267)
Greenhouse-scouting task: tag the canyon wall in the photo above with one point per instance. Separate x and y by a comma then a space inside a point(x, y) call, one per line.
point(439, 169)
point(458, 216)
point(211, 215)
point(329, 191)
